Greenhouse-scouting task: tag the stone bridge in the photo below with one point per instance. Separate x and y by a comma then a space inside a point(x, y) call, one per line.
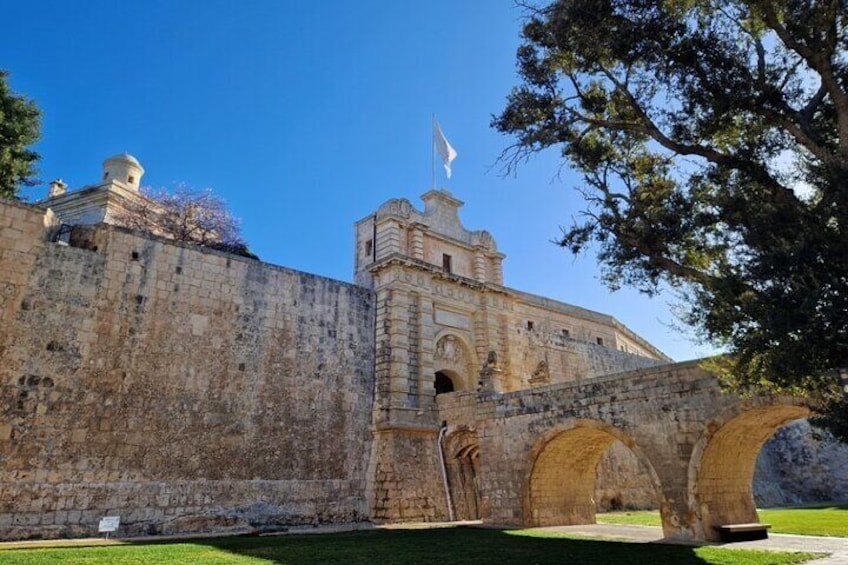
point(529, 458)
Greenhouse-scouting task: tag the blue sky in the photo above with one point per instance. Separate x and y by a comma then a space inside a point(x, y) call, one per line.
point(306, 116)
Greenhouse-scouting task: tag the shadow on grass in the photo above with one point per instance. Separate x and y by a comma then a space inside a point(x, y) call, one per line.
point(466, 546)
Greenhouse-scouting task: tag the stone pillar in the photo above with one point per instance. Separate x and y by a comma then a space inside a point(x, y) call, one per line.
point(392, 358)
point(388, 238)
point(497, 270)
point(399, 342)
point(503, 341)
point(479, 265)
point(414, 353)
point(416, 245)
point(427, 336)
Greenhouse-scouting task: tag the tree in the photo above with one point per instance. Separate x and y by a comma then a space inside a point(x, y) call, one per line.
point(20, 122)
point(712, 136)
point(186, 215)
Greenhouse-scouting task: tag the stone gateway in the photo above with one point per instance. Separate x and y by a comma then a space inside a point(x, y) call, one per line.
point(184, 389)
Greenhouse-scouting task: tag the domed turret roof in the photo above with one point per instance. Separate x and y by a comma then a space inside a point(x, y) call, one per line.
point(125, 157)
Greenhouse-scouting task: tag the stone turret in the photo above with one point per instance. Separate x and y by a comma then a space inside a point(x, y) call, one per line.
point(124, 169)
point(104, 201)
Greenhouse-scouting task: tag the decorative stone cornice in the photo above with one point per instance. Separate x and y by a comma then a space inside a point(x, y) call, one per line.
point(399, 259)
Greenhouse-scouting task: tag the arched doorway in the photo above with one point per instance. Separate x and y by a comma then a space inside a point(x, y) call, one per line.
point(453, 363)
point(443, 383)
point(562, 481)
point(721, 470)
point(463, 474)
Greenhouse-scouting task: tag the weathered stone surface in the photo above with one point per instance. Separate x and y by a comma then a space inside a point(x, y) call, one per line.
point(539, 448)
point(172, 385)
point(188, 390)
point(800, 464)
point(623, 482)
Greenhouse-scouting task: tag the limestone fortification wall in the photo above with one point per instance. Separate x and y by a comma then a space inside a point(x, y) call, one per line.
point(179, 388)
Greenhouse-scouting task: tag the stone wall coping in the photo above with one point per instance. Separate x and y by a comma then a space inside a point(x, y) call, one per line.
point(621, 376)
point(104, 227)
point(28, 206)
point(405, 260)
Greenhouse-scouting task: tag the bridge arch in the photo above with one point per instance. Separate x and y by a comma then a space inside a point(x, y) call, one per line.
point(722, 464)
point(561, 484)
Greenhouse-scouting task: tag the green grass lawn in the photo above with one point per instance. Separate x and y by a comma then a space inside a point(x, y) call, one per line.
point(820, 521)
point(464, 546)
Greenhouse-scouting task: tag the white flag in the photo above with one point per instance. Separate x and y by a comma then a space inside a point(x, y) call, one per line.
point(440, 142)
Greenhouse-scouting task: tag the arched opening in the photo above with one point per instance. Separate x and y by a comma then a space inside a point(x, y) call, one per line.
point(562, 482)
point(443, 383)
point(463, 474)
point(799, 464)
point(453, 364)
point(623, 482)
point(723, 463)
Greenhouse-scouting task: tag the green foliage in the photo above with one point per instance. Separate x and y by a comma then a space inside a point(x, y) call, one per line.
point(20, 122)
point(409, 547)
point(713, 142)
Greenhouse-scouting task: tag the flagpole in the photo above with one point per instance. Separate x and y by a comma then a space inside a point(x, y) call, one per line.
point(433, 150)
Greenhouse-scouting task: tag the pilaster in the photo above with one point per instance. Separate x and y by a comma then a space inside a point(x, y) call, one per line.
point(480, 265)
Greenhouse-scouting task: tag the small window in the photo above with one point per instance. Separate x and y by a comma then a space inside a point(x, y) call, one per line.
point(131, 179)
point(369, 247)
point(106, 175)
point(600, 340)
point(566, 334)
point(446, 263)
point(529, 325)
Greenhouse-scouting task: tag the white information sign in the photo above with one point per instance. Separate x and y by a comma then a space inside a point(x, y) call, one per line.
point(109, 524)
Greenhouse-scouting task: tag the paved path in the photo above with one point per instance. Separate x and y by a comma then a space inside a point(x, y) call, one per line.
point(837, 547)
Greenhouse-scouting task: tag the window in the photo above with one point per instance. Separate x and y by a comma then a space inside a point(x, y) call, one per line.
point(446, 263)
point(600, 340)
point(566, 334)
point(369, 247)
point(131, 179)
point(105, 175)
point(529, 325)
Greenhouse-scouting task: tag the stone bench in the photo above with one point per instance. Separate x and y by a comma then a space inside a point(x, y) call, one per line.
point(743, 532)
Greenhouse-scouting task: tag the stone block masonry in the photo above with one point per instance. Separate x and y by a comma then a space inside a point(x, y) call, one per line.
point(188, 390)
point(180, 388)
